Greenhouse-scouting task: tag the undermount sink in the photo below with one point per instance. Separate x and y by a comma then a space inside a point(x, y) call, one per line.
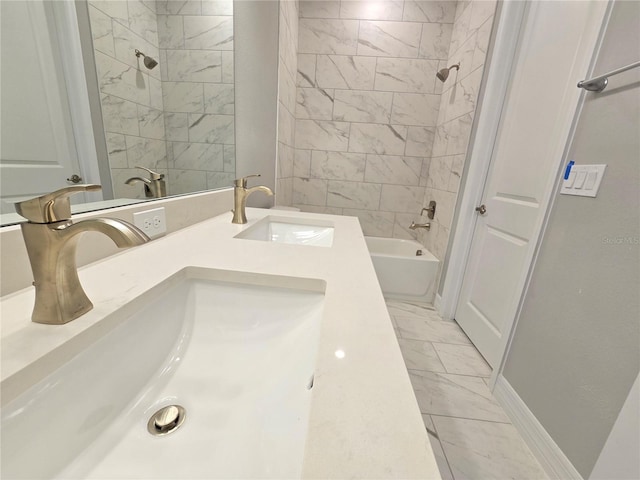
point(236, 350)
point(298, 231)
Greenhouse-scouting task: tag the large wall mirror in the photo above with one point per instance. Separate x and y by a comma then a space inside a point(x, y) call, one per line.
point(93, 89)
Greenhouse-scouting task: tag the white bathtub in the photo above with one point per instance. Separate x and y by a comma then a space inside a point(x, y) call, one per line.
point(402, 274)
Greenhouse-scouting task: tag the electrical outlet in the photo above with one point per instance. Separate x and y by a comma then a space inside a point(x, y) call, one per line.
point(152, 222)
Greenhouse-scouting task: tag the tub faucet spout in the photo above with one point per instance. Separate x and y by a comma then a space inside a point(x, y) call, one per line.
point(51, 238)
point(415, 225)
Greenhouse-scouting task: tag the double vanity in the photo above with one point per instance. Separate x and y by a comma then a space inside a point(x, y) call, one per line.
point(272, 337)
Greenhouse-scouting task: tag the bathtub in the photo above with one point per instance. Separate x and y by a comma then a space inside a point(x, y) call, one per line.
point(404, 275)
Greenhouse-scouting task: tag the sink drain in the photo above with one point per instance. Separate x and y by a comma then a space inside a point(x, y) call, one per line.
point(166, 420)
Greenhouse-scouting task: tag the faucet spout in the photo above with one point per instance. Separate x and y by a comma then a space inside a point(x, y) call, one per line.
point(415, 225)
point(240, 195)
point(259, 188)
point(134, 180)
point(122, 233)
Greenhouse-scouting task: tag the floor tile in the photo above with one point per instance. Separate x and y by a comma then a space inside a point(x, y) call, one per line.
point(431, 330)
point(438, 452)
point(478, 450)
point(396, 307)
point(462, 359)
point(456, 396)
point(428, 423)
point(420, 355)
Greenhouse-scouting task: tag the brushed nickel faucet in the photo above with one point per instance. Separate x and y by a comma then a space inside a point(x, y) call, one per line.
point(154, 186)
point(415, 225)
point(240, 195)
point(51, 238)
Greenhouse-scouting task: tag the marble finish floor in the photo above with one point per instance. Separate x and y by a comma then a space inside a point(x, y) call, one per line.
point(470, 434)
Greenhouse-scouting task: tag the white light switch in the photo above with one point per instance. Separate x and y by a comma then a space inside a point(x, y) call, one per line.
point(583, 180)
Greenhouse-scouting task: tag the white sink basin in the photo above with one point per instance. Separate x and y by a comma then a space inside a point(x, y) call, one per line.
point(297, 231)
point(236, 350)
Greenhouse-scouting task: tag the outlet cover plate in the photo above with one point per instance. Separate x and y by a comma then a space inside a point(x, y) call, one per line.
point(152, 222)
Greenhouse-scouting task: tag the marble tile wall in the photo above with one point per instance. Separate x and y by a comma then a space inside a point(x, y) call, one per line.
point(130, 94)
point(469, 41)
point(196, 59)
point(177, 118)
point(287, 67)
point(367, 107)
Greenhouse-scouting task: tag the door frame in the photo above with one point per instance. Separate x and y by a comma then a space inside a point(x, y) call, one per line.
point(507, 42)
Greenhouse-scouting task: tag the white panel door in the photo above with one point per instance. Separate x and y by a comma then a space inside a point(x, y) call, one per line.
point(528, 148)
point(38, 151)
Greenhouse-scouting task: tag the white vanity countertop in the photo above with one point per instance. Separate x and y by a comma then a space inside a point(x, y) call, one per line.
point(364, 420)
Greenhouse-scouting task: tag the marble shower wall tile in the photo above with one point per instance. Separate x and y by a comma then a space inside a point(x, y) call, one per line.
point(401, 198)
point(389, 39)
point(119, 115)
point(219, 98)
point(116, 10)
point(366, 86)
point(302, 163)
point(194, 66)
point(208, 32)
point(382, 139)
point(146, 152)
point(310, 191)
point(415, 109)
point(435, 40)
point(328, 36)
point(372, 9)
point(198, 156)
point(345, 72)
point(393, 169)
point(306, 70)
point(364, 196)
point(227, 67)
point(179, 7)
point(117, 150)
point(322, 135)
point(183, 97)
point(151, 122)
point(142, 20)
point(171, 31)
point(405, 75)
point(211, 128)
point(373, 223)
point(315, 103)
point(431, 11)
point(337, 166)
point(362, 106)
point(101, 31)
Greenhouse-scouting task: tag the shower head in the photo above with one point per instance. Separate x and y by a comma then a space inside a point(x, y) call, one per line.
point(149, 62)
point(444, 73)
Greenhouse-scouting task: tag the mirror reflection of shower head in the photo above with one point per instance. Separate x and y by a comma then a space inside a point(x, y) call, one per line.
point(149, 62)
point(444, 73)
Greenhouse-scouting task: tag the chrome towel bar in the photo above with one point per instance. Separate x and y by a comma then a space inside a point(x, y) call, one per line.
point(598, 84)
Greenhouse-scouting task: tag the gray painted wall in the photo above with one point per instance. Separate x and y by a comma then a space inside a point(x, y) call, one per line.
point(256, 87)
point(575, 354)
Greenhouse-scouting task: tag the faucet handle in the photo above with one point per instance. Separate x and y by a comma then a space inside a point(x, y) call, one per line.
point(52, 207)
point(153, 175)
point(242, 181)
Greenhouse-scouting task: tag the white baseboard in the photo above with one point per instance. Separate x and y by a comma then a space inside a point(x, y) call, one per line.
point(437, 303)
point(546, 451)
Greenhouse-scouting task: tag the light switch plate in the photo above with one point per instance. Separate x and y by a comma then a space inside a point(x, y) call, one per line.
point(584, 180)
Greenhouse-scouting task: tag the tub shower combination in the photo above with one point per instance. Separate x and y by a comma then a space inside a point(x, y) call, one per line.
point(405, 269)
